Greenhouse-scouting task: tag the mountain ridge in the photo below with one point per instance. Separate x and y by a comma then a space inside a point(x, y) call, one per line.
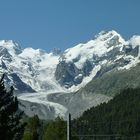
point(108, 48)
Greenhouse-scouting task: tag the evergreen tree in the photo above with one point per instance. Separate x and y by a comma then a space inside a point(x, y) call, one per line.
point(120, 116)
point(33, 129)
point(11, 127)
point(56, 130)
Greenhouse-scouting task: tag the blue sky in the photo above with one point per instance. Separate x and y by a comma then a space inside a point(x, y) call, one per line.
point(49, 24)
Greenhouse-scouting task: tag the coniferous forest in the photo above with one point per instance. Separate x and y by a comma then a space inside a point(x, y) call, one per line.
point(117, 119)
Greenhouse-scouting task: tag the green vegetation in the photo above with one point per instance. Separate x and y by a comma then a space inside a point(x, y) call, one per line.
point(32, 129)
point(55, 130)
point(11, 127)
point(45, 130)
point(120, 116)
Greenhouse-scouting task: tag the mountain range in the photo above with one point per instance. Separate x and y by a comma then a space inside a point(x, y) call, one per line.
point(53, 84)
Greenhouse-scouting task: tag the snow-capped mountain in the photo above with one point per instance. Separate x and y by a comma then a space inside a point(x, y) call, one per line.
point(28, 69)
point(107, 51)
point(56, 76)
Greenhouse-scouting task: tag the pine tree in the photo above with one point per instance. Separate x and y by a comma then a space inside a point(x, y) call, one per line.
point(11, 127)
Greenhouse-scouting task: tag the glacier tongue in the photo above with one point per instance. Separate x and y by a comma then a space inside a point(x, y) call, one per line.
point(37, 103)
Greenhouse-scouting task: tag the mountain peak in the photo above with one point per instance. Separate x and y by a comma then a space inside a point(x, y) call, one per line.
point(106, 35)
point(31, 53)
point(11, 46)
point(104, 42)
point(56, 51)
point(135, 40)
point(113, 32)
point(7, 43)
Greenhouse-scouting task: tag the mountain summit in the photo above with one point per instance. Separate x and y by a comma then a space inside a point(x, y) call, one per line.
point(12, 47)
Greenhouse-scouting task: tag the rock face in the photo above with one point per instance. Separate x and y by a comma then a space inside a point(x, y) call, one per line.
point(68, 74)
